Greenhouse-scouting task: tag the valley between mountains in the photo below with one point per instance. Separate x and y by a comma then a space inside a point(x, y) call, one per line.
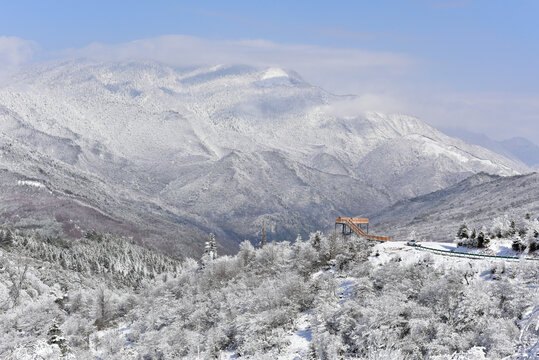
point(167, 155)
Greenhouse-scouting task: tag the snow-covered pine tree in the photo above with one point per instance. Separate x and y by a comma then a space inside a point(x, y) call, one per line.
point(210, 250)
point(512, 228)
point(316, 241)
point(518, 246)
point(56, 338)
point(482, 240)
point(103, 311)
point(6, 238)
point(462, 233)
point(263, 241)
point(213, 246)
point(531, 241)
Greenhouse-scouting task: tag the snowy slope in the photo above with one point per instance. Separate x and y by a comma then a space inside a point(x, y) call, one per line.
point(38, 192)
point(336, 298)
point(476, 201)
point(145, 111)
point(227, 147)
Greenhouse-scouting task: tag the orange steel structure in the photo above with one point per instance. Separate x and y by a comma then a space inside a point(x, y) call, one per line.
point(355, 225)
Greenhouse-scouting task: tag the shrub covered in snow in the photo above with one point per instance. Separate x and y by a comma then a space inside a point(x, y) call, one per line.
point(126, 302)
point(524, 234)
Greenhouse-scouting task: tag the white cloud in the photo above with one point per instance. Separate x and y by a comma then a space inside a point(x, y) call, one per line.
point(354, 106)
point(336, 69)
point(14, 52)
point(384, 81)
point(498, 115)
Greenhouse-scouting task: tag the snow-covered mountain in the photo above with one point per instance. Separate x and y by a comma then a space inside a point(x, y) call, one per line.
point(517, 147)
point(227, 148)
point(477, 201)
point(38, 192)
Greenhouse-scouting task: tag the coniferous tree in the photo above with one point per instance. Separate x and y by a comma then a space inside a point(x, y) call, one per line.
point(210, 250)
point(103, 311)
point(6, 238)
point(482, 241)
point(462, 233)
point(518, 246)
point(512, 228)
point(316, 241)
point(56, 338)
point(213, 246)
point(263, 241)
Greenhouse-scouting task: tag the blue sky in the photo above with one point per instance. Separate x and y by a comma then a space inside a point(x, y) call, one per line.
point(470, 64)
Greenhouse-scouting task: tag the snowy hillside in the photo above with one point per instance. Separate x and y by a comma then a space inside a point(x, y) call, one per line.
point(476, 201)
point(325, 298)
point(40, 193)
point(227, 148)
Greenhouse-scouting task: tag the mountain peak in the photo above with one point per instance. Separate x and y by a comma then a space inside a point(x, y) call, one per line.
point(163, 136)
point(272, 73)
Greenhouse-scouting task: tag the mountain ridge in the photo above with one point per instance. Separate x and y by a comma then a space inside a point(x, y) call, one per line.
point(477, 201)
point(282, 154)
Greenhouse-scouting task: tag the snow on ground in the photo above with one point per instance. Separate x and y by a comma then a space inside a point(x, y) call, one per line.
point(345, 288)
point(498, 247)
point(274, 73)
point(384, 252)
point(300, 339)
point(31, 183)
point(226, 355)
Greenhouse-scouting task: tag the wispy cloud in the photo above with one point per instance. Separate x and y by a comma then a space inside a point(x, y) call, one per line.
point(14, 52)
point(332, 68)
point(383, 81)
point(499, 115)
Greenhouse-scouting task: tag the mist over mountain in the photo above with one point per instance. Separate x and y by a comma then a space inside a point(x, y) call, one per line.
point(170, 154)
point(524, 150)
point(517, 148)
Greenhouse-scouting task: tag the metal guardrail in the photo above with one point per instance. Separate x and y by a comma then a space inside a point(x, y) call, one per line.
point(460, 254)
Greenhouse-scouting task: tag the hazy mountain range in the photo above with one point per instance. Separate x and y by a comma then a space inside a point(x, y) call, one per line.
point(168, 155)
point(516, 148)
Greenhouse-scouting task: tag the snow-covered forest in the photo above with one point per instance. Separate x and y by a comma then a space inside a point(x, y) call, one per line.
point(326, 297)
point(278, 180)
point(523, 234)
